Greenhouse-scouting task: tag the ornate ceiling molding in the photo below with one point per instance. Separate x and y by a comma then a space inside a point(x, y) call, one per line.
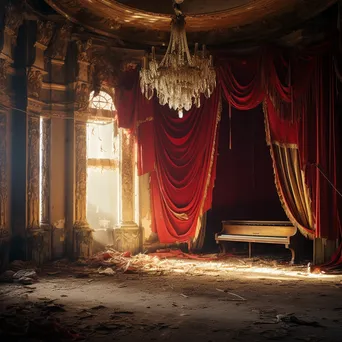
point(114, 19)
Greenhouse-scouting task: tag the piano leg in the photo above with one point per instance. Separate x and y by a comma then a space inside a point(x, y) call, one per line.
point(293, 254)
point(249, 249)
point(223, 249)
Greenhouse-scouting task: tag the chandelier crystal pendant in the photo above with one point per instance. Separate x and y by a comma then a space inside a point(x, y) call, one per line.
point(180, 78)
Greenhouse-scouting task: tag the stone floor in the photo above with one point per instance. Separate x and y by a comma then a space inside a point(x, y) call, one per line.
point(249, 301)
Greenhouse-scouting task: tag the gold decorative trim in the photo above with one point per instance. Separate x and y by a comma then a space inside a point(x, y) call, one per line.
point(302, 229)
point(54, 86)
point(140, 122)
point(80, 173)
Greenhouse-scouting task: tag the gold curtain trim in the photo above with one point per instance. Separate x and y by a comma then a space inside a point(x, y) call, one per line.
point(140, 122)
point(287, 211)
point(103, 163)
point(269, 140)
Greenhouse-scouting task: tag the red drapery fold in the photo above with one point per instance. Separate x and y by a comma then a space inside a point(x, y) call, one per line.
point(185, 168)
point(241, 81)
point(136, 114)
point(313, 132)
point(301, 89)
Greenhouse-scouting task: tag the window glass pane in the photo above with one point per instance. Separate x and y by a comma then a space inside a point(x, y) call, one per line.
point(101, 143)
point(102, 198)
point(101, 101)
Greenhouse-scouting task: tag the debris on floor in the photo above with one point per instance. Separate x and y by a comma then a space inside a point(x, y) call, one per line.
point(168, 261)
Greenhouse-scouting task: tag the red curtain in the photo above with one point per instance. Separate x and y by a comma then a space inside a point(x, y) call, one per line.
point(136, 114)
point(301, 88)
point(241, 80)
point(185, 168)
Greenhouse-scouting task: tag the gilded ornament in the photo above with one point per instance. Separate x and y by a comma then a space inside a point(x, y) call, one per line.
point(4, 69)
point(44, 32)
point(60, 42)
point(13, 20)
point(84, 51)
point(45, 169)
point(82, 96)
point(34, 83)
point(33, 173)
point(81, 172)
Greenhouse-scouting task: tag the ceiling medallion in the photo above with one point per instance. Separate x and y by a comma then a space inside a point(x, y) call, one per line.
point(180, 78)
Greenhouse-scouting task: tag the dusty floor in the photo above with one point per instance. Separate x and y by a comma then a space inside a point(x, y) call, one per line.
point(239, 303)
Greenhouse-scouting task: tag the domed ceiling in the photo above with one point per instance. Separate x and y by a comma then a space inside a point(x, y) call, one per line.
point(213, 22)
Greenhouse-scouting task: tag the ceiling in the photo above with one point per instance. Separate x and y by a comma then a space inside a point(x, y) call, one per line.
point(212, 22)
point(189, 6)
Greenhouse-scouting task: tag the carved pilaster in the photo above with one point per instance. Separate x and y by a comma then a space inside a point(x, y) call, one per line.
point(82, 232)
point(44, 33)
point(81, 173)
point(33, 219)
point(5, 103)
point(4, 199)
point(4, 82)
point(127, 177)
point(34, 82)
point(127, 237)
point(60, 41)
point(45, 170)
point(13, 20)
point(82, 93)
point(3, 175)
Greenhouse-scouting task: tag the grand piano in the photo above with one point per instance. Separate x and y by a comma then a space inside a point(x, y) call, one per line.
point(273, 232)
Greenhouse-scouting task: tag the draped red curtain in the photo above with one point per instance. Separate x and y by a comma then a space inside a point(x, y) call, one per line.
point(184, 174)
point(301, 88)
point(179, 153)
point(136, 114)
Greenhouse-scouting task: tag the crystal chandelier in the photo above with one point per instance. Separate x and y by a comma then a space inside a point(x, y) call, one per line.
point(180, 78)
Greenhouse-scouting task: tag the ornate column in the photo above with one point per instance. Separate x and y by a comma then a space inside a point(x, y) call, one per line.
point(13, 19)
point(127, 236)
point(45, 127)
point(38, 233)
point(83, 238)
point(5, 232)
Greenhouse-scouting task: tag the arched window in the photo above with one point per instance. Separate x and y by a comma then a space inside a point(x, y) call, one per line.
point(102, 166)
point(101, 101)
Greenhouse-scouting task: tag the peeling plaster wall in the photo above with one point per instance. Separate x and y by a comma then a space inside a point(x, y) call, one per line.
point(58, 190)
point(145, 222)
